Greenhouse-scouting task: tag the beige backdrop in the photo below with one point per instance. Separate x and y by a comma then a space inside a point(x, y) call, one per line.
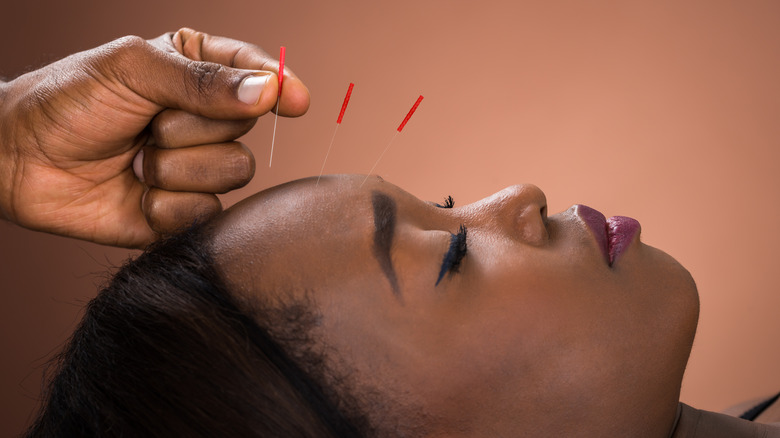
point(664, 111)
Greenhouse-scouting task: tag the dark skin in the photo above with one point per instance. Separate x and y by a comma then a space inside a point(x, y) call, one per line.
point(609, 346)
point(71, 131)
point(535, 334)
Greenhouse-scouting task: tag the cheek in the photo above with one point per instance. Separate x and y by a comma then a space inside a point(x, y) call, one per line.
point(535, 292)
point(565, 306)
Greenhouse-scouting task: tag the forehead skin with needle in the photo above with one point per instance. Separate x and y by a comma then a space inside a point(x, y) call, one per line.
point(535, 334)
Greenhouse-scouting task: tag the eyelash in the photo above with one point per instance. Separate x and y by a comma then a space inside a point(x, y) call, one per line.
point(448, 203)
point(455, 254)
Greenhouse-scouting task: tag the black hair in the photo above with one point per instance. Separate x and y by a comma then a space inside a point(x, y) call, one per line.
point(166, 350)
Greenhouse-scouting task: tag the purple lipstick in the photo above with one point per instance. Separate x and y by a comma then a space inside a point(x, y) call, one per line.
point(613, 235)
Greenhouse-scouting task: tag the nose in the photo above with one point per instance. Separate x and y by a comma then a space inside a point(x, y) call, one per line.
point(518, 211)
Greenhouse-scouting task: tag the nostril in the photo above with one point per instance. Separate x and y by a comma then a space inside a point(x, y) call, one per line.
point(543, 212)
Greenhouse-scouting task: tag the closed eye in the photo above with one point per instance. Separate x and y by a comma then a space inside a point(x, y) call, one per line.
point(455, 254)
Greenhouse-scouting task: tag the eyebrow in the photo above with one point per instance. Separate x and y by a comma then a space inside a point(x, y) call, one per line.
point(384, 231)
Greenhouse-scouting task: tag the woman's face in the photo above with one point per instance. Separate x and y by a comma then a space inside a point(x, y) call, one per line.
point(531, 326)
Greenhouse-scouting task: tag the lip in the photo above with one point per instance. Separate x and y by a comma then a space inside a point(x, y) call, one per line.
point(613, 235)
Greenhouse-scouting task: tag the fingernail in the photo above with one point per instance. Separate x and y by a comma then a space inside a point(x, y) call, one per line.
point(251, 88)
point(138, 165)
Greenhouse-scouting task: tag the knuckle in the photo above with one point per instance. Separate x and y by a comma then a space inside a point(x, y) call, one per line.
point(202, 78)
point(130, 42)
point(163, 131)
point(126, 46)
point(121, 55)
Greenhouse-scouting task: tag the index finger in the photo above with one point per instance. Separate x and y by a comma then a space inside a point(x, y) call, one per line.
point(201, 46)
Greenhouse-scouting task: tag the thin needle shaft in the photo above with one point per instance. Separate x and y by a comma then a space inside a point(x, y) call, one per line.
point(278, 97)
point(328, 153)
point(273, 139)
point(338, 122)
point(380, 157)
point(397, 131)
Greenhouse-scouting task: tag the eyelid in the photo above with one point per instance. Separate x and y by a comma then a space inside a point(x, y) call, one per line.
point(457, 250)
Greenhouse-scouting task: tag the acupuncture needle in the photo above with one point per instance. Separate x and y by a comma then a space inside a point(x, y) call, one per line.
point(278, 96)
point(398, 131)
point(338, 123)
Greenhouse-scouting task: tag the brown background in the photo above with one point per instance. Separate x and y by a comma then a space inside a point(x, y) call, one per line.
point(664, 111)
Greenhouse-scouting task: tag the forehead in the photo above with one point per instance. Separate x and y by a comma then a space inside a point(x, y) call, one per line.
point(298, 235)
point(285, 208)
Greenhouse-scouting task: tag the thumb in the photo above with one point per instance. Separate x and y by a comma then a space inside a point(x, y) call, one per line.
point(205, 88)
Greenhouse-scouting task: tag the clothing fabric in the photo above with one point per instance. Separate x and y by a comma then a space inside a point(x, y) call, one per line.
point(753, 413)
point(695, 423)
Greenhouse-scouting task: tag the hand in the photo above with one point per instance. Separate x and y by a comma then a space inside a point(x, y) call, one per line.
point(71, 131)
